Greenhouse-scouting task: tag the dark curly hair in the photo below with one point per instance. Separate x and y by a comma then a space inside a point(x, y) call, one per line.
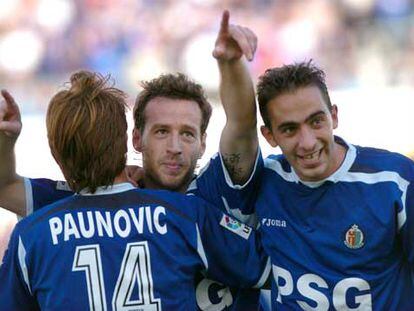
point(287, 79)
point(174, 86)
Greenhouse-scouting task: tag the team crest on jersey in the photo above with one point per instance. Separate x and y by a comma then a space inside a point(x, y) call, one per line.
point(235, 226)
point(354, 237)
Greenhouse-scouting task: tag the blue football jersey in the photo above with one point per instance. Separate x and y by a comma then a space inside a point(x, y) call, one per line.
point(124, 249)
point(345, 243)
point(42, 191)
point(214, 185)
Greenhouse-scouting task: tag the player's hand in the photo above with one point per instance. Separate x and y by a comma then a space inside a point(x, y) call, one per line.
point(135, 174)
point(10, 118)
point(234, 41)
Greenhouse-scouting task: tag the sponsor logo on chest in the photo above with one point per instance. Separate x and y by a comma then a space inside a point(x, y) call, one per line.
point(271, 222)
point(236, 226)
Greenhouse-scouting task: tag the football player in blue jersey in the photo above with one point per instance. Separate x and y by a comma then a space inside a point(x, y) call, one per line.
point(337, 219)
point(171, 116)
point(112, 246)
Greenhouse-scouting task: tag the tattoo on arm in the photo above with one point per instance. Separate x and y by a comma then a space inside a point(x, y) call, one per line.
point(232, 161)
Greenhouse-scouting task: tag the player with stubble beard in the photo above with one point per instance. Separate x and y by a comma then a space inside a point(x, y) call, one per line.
point(112, 245)
point(171, 115)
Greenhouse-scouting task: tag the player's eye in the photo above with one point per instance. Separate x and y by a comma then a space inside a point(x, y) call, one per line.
point(317, 121)
point(288, 130)
point(188, 134)
point(161, 132)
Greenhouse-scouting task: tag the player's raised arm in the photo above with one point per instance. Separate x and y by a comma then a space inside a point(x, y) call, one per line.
point(239, 142)
point(12, 193)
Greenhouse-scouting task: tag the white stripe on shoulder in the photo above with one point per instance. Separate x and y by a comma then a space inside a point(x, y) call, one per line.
point(250, 219)
point(193, 184)
point(343, 175)
point(227, 175)
point(200, 248)
point(22, 262)
point(384, 176)
point(275, 165)
point(29, 196)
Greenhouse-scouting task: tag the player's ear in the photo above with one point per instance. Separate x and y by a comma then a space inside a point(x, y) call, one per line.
point(267, 133)
point(137, 139)
point(334, 114)
point(203, 145)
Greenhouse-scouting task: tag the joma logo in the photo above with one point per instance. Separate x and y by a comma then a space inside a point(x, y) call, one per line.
point(269, 222)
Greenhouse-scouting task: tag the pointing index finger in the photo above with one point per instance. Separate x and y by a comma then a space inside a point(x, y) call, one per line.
point(224, 25)
point(9, 99)
point(7, 95)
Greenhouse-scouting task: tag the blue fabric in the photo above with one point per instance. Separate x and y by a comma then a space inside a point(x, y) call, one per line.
point(346, 243)
point(137, 247)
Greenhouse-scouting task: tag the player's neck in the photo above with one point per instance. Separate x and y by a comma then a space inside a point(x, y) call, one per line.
point(339, 156)
point(149, 183)
point(121, 178)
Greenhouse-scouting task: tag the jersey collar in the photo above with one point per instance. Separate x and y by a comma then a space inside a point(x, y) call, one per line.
point(116, 188)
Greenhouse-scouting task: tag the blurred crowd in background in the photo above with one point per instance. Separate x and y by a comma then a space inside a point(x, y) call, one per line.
point(357, 42)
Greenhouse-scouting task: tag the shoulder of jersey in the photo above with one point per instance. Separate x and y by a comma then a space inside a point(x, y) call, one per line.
point(376, 159)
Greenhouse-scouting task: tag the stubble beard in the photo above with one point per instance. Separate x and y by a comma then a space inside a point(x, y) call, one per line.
point(156, 180)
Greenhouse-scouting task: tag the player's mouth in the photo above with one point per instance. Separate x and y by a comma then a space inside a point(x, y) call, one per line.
point(310, 159)
point(173, 167)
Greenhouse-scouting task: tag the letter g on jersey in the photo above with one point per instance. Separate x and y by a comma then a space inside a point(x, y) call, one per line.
point(223, 297)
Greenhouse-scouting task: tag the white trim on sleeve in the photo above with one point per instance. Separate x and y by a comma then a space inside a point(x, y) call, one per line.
point(200, 248)
point(28, 195)
point(227, 175)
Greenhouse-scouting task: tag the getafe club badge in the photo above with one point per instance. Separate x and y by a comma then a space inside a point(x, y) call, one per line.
point(354, 238)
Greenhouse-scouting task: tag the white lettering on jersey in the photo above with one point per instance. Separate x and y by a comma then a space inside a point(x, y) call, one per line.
point(306, 290)
point(203, 299)
point(87, 233)
point(287, 288)
point(269, 222)
point(161, 228)
point(56, 228)
point(339, 294)
point(70, 228)
point(104, 223)
point(308, 284)
point(122, 215)
point(90, 223)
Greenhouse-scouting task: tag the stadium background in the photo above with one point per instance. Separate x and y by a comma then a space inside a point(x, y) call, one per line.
point(366, 47)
